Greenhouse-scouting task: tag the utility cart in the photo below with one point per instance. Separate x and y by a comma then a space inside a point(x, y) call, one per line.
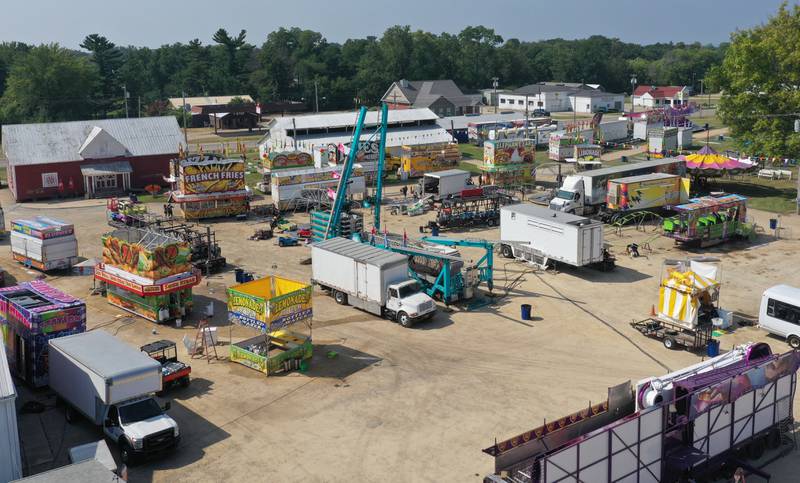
point(173, 371)
point(674, 335)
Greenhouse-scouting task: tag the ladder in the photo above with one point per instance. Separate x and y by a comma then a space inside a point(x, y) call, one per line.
point(201, 338)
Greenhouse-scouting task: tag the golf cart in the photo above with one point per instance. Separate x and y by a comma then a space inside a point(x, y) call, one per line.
point(173, 371)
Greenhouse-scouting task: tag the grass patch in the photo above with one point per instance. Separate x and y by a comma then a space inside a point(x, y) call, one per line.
point(470, 151)
point(777, 196)
point(148, 198)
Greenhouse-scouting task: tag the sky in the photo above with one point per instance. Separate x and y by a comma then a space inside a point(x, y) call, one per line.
point(156, 22)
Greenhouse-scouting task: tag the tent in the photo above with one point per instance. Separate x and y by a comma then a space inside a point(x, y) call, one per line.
point(682, 294)
point(708, 162)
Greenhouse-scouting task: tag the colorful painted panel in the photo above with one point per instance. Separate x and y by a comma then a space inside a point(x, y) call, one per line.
point(203, 176)
point(288, 159)
point(155, 264)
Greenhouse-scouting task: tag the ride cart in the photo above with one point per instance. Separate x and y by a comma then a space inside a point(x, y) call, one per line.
point(173, 371)
point(708, 221)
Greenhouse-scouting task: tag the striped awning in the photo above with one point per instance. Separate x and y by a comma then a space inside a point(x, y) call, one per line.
point(679, 296)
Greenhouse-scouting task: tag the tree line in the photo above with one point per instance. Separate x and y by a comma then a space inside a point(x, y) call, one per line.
point(52, 83)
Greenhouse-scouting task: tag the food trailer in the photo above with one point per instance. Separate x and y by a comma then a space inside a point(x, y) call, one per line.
point(270, 305)
point(148, 273)
point(709, 220)
point(31, 314)
point(44, 243)
point(209, 186)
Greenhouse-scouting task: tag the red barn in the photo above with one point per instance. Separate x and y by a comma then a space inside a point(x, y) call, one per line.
point(92, 158)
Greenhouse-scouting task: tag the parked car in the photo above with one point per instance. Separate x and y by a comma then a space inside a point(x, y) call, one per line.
point(540, 113)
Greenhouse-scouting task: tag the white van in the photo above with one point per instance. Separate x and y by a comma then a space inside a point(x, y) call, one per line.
point(780, 313)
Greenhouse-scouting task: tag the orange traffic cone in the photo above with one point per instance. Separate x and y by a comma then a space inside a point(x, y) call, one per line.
point(652, 310)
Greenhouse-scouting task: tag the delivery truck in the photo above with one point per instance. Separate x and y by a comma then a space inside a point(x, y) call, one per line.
point(444, 184)
point(370, 279)
point(112, 384)
point(586, 193)
point(656, 191)
point(543, 237)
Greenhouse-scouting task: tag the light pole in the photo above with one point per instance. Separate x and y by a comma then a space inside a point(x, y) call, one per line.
point(316, 96)
point(495, 83)
point(126, 95)
point(633, 92)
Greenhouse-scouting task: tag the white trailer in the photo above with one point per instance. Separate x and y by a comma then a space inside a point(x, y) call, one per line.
point(289, 185)
point(10, 462)
point(369, 278)
point(112, 384)
point(442, 184)
point(45, 254)
point(541, 236)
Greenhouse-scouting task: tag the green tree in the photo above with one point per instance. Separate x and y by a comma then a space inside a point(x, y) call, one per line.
point(760, 79)
point(10, 52)
point(50, 83)
point(108, 60)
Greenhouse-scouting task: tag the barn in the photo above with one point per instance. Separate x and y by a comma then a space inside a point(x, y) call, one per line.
point(89, 158)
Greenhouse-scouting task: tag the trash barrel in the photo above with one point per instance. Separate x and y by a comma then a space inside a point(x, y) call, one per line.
point(712, 348)
point(773, 223)
point(526, 311)
point(238, 273)
point(435, 230)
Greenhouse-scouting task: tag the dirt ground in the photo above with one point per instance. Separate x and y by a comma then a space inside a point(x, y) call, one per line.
point(399, 404)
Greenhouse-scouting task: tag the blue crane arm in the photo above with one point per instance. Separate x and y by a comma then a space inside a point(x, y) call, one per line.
point(381, 163)
point(341, 191)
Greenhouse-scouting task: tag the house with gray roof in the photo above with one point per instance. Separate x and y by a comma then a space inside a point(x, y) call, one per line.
point(95, 158)
point(559, 97)
point(440, 96)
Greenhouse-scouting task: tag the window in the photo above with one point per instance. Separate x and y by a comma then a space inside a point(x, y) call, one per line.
point(530, 103)
point(783, 311)
point(108, 181)
point(520, 102)
point(540, 103)
point(502, 100)
point(393, 293)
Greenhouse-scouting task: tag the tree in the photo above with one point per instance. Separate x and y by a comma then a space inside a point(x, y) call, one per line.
point(10, 52)
point(50, 83)
point(760, 80)
point(237, 54)
point(108, 60)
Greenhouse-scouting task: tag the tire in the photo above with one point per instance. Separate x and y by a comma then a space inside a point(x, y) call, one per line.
point(507, 251)
point(755, 449)
point(794, 341)
point(340, 297)
point(404, 320)
point(490, 222)
point(125, 453)
point(669, 343)
point(185, 381)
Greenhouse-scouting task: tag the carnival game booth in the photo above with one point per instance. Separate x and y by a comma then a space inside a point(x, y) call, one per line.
point(687, 298)
point(44, 243)
point(270, 306)
point(509, 162)
point(148, 273)
point(209, 186)
point(31, 314)
point(709, 220)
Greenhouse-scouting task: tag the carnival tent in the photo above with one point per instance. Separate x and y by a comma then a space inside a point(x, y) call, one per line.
point(681, 295)
point(707, 162)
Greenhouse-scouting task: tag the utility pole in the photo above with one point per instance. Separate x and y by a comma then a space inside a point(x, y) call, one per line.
point(633, 92)
point(526, 115)
point(140, 106)
point(495, 83)
point(185, 136)
point(126, 95)
point(316, 97)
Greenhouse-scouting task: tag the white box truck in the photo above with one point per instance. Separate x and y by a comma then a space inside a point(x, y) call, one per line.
point(585, 193)
point(543, 236)
point(444, 184)
point(779, 313)
point(112, 384)
point(371, 279)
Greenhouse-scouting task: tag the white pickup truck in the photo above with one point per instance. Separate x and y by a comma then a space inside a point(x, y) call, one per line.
point(370, 279)
point(112, 384)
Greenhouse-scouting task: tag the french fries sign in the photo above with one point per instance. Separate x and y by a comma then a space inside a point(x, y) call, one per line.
point(204, 176)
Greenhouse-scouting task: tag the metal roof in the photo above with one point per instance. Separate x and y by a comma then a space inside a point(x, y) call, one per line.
point(6, 384)
point(546, 213)
point(104, 354)
point(348, 119)
point(101, 169)
point(447, 172)
point(628, 167)
point(645, 177)
point(177, 102)
point(57, 142)
point(784, 291)
point(89, 471)
point(462, 122)
point(395, 137)
point(361, 252)
point(593, 93)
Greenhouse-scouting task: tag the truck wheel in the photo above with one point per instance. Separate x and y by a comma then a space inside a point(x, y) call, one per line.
point(794, 342)
point(506, 251)
point(490, 222)
point(340, 297)
point(404, 319)
point(125, 453)
point(185, 381)
point(669, 343)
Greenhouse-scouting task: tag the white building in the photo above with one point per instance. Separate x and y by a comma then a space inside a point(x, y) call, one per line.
point(315, 133)
point(661, 96)
point(589, 101)
point(558, 97)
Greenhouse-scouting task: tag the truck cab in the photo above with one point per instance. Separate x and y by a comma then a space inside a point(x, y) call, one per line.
point(140, 427)
point(407, 304)
point(570, 197)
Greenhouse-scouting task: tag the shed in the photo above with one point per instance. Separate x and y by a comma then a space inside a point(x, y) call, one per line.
point(94, 158)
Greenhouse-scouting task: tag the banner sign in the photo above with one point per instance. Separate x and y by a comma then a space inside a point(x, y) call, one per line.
point(288, 159)
point(203, 175)
point(147, 290)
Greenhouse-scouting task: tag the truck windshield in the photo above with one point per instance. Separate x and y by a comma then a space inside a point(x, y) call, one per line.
point(139, 411)
point(409, 290)
point(564, 194)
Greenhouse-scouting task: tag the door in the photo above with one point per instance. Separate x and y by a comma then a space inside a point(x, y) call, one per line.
point(361, 280)
point(113, 430)
point(21, 357)
point(586, 246)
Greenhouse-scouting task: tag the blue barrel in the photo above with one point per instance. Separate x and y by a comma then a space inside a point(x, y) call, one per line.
point(239, 272)
point(773, 223)
point(247, 277)
point(712, 348)
point(526, 311)
point(435, 230)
